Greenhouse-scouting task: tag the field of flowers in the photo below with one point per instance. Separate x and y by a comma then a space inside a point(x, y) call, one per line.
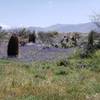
point(36, 52)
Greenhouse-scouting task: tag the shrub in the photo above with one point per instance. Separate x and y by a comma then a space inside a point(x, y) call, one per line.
point(63, 42)
point(23, 33)
point(32, 37)
point(61, 72)
point(3, 34)
point(74, 42)
point(47, 38)
point(13, 46)
point(86, 52)
point(88, 48)
point(63, 62)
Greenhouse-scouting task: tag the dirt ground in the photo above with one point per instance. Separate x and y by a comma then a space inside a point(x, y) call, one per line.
point(36, 52)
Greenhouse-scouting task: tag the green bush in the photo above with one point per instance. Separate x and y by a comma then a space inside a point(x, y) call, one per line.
point(63, 62)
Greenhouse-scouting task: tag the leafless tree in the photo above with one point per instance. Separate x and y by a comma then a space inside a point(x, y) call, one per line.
point(96, 19)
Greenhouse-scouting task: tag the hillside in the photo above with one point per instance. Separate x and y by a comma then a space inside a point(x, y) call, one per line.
point(83, 28)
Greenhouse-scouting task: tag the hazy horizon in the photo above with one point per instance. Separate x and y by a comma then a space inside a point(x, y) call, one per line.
point(43, 13)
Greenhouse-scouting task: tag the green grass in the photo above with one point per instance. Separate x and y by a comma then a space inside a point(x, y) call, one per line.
point(50, 80)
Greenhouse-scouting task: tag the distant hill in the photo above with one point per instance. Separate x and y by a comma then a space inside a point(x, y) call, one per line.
point(83, 28)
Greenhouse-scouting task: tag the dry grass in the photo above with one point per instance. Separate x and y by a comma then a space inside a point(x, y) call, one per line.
point(40, 81)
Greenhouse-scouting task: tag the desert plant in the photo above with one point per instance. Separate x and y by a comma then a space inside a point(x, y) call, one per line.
point(2, 34)
point(88, 48)
point(61, 72)
point(48, 37)
point(23, 32)
point(74, 40)
point(32, 37)
point(13, 46)
point(91, 38)
point(63, 62)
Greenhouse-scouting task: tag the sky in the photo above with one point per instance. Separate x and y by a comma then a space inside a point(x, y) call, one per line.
point(43, 13)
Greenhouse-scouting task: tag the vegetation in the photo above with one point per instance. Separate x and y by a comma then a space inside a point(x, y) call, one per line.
point(2, 34)
point(90, 46)
point(75, 78)
point(91, 38)
point(47, 37)
point(13, 46)
point(32, 37)
point(71, 79)
point(23, 33)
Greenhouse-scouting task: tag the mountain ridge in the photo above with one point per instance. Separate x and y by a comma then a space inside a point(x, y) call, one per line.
point(82, 27)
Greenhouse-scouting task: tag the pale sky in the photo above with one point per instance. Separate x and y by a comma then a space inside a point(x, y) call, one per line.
point(46, 12)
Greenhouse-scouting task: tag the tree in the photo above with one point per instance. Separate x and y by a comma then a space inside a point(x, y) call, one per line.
point(96, 19)
point(24, 33)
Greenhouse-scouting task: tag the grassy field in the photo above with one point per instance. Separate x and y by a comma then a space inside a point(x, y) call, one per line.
point(71, 79)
